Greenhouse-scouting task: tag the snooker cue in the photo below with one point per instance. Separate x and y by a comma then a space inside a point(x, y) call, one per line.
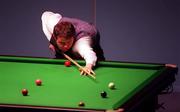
point(70, 59)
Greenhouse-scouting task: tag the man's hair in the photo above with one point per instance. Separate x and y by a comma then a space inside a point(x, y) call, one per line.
point(64, 29)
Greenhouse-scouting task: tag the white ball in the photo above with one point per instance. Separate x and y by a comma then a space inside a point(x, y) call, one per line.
point(111, 85)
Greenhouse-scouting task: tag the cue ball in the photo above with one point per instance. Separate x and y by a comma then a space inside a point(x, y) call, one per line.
point(38, 82)
point(25, 92)
point(103, 94)
point(111, 85)
point(67, 63)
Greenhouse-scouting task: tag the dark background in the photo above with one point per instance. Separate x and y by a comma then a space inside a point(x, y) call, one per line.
point(131, 30)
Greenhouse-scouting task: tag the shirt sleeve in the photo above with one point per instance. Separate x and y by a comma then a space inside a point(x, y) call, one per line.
point(49, 20)
point(83, 47)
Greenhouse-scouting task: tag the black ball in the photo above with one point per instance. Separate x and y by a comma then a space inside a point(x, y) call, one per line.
point(81, 104)
point(103, 94)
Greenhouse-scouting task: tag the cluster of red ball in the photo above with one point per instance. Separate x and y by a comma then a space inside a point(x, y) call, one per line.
point(39, 82)
point(25, 91)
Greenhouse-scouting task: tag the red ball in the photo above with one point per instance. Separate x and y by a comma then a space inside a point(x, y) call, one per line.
point(25, 92)
point(67, 63)
point(38, 82)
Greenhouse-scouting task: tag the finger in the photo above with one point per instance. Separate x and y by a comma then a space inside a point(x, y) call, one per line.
point(88, 71)
point(84, 70)
point(93, 72)
point(81, 73)
point(85, 73)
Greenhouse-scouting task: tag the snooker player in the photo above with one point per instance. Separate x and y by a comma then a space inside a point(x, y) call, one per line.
point(76, 38)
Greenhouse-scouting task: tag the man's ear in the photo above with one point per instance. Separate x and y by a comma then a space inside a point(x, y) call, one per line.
point(52, 48)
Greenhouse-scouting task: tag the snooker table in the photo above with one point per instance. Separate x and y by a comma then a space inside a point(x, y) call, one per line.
point(136, 84)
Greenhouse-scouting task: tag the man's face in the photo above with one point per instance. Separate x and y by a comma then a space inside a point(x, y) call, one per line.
point(64, 44)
